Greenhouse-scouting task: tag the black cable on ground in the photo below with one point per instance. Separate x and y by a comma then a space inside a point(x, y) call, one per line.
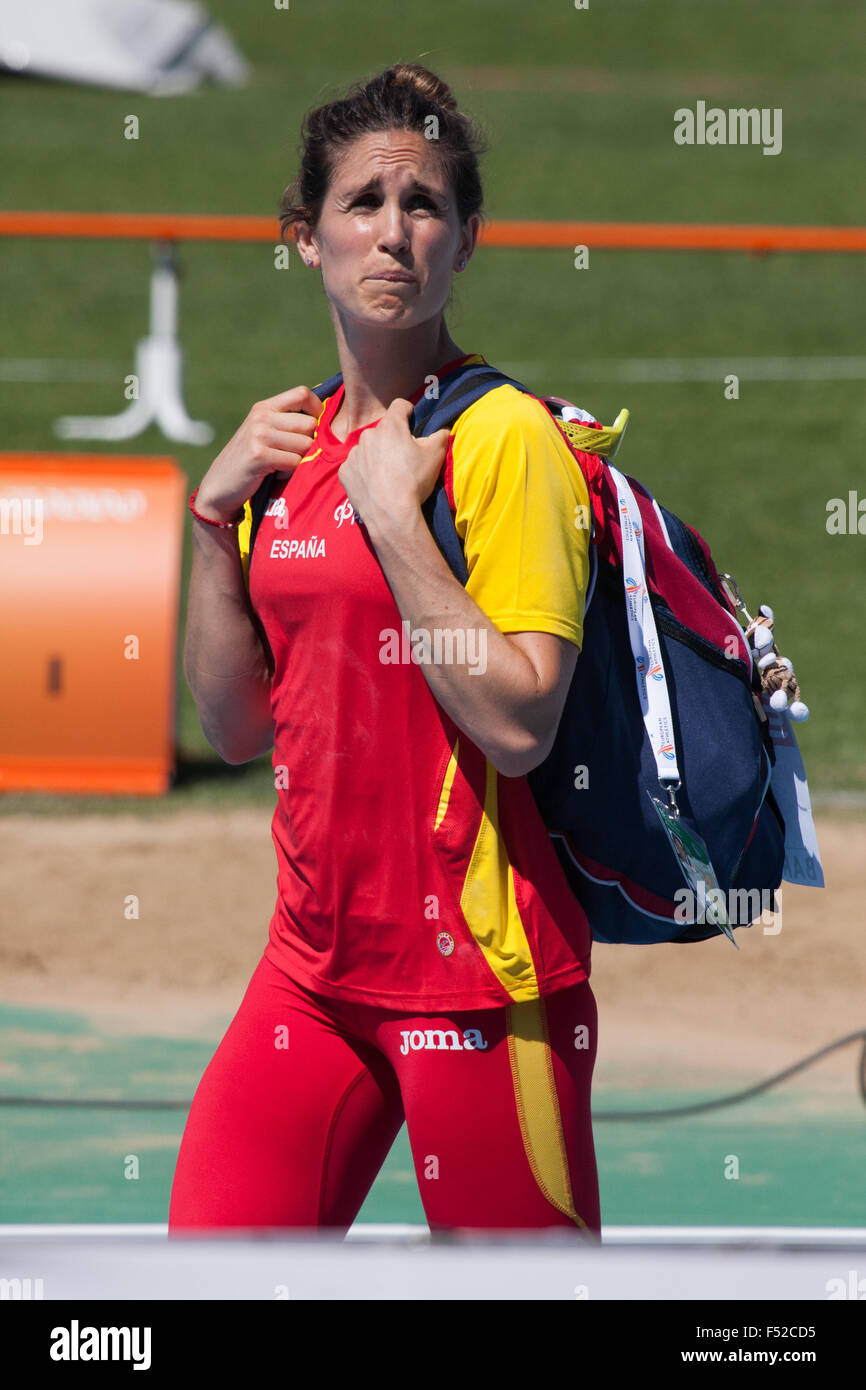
point(756, 1090)
point(100, 1103)
point(95, 1103)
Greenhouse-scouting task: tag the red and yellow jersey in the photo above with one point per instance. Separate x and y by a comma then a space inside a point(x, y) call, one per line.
point(411, 874)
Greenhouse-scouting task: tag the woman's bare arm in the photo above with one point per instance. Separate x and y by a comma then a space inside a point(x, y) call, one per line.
point(225, 662)
point(226, 656)
point(508, 696)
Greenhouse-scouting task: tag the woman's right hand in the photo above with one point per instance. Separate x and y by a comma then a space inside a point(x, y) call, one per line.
point(273, 438)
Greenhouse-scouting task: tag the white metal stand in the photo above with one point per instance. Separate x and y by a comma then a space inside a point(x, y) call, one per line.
point(159, 369)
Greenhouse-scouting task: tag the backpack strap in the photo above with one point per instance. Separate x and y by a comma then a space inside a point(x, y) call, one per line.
point(457, 390)
point(469, 385)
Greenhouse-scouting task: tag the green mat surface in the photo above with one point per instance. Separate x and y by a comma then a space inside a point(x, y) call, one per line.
point(800, 1155)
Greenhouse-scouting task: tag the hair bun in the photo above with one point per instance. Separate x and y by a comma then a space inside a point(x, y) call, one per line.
point(425, 83)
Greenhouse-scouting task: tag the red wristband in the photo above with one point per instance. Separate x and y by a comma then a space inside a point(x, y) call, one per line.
point(227, 525)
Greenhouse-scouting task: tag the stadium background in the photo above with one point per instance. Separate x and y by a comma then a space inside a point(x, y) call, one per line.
point(578, 109)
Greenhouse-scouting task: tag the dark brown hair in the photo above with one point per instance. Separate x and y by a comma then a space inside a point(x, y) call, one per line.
point(403, 97)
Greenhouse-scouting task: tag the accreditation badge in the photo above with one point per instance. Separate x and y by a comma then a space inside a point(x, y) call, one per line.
point(693, 858)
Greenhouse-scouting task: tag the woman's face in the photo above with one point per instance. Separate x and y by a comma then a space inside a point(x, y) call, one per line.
point(389, 209)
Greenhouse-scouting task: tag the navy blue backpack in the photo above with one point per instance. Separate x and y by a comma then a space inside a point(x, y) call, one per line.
point(592, 789)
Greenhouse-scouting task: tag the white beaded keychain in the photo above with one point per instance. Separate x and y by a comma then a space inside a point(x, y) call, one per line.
point(777, 673)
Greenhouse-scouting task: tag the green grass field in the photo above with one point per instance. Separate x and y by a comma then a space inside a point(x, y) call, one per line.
point(577, 107)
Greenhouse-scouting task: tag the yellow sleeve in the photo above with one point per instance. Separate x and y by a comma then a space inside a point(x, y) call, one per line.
point(522, 506)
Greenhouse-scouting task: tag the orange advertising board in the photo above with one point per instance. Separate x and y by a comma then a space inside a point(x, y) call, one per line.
point(90, 570)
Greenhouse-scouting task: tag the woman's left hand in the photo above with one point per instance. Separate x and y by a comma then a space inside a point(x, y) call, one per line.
point(389, 473)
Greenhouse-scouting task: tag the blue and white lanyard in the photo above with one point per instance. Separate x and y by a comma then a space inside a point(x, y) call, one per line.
point(652, 683)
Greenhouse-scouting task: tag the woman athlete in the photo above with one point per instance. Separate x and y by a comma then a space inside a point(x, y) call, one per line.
point(426, 960)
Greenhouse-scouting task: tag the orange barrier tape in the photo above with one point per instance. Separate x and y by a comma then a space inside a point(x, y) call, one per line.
point(148, 226)
point(676, 236)
point(635, 236)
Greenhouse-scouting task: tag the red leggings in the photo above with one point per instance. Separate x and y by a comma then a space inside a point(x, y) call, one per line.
point(305, 1096)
